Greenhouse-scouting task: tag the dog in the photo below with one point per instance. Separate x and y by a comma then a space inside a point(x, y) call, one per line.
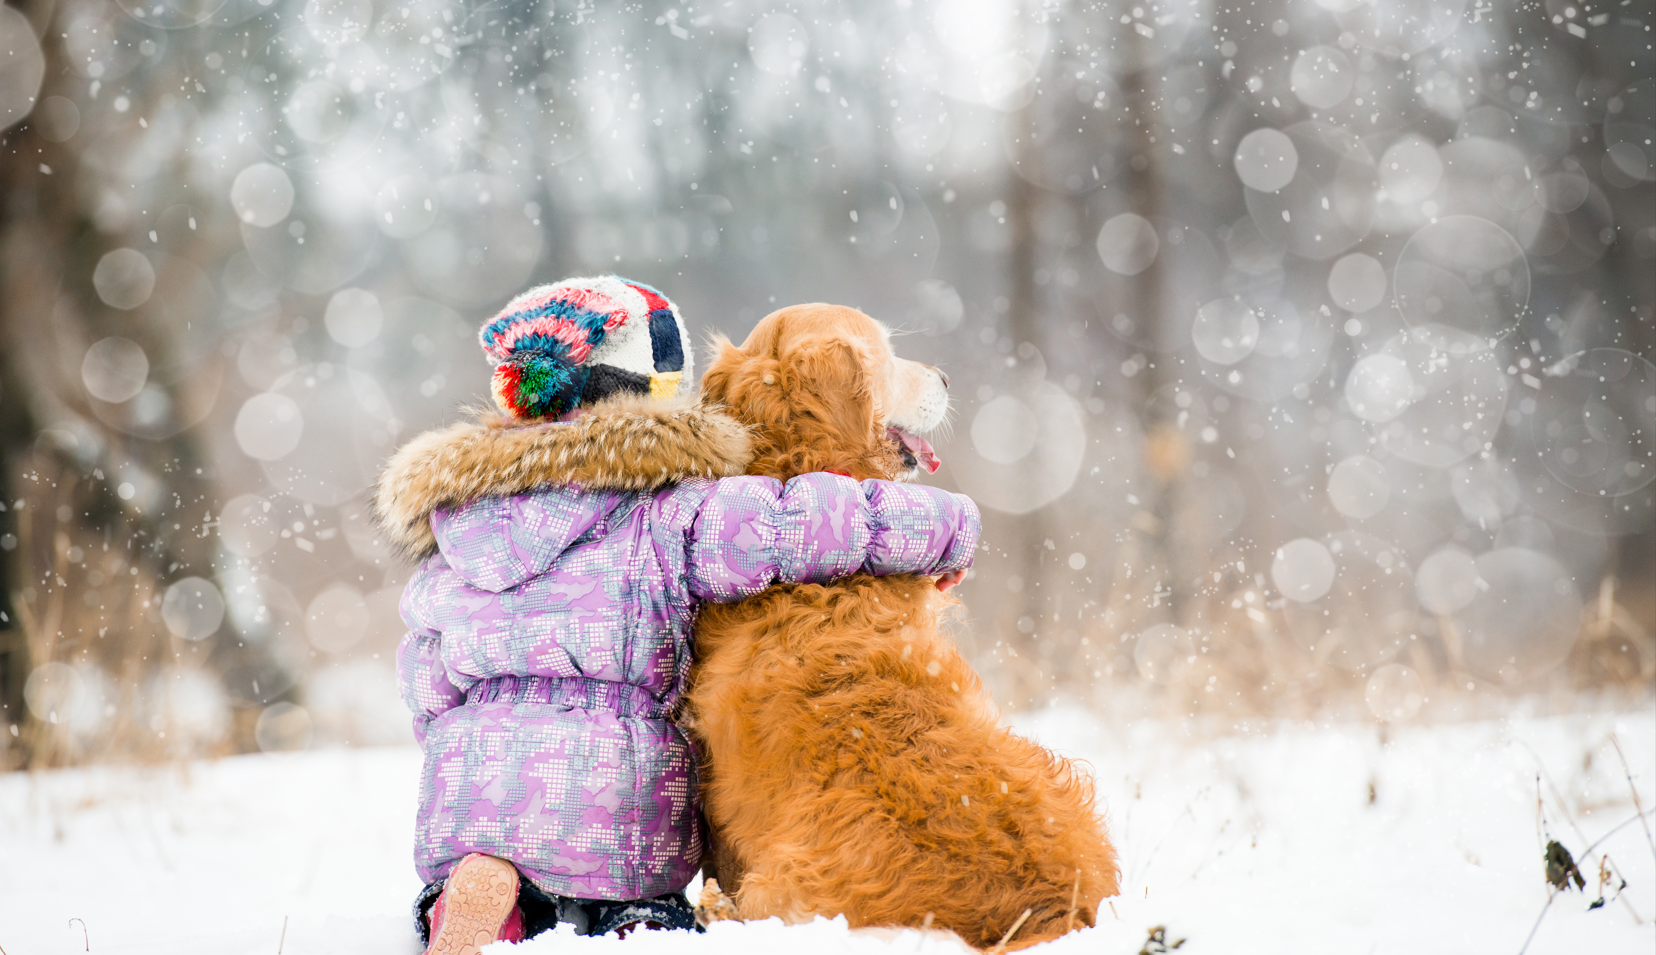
point(853, 762)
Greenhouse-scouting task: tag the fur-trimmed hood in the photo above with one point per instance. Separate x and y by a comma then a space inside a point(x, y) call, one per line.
point(627, 443)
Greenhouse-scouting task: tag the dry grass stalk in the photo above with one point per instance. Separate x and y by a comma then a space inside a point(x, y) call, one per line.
point(1075, 900)
point(1006, 939)
point(1638, 804)
point(64, 568)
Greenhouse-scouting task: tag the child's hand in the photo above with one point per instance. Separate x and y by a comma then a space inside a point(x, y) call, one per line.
point(950, 579)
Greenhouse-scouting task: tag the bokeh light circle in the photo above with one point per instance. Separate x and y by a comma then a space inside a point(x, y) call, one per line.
point(1004, 429)
point(1447, 581)
point(1303, 570)
point(1322, 77)
point(1366, 612)
point(1379, 387)
point(337, 618)
point(1394, 693)
point(1357, 282)
point(318, 112)
point(348, 427)
point(1359, 487)
point(1266, 160)
point(115, 369)
point(353, 317)
point(1042, 430)
point(124, 278)
point(1463, 272)
point(1328, 205)
point(1525, 618)
point(1410, 169)
point(193, 608)
point(52, 691)
point(248, 526)
point(1127, 244)
point(1457, 396)
point(1225, 331)
point(283, 728)
point(268, 426)
point(262, 195)
point(1398, 28)
point(1630, 131)
point(1595, 422)
point(22, 67)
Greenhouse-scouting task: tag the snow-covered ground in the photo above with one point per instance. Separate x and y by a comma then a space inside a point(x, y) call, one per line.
point(1291, 838)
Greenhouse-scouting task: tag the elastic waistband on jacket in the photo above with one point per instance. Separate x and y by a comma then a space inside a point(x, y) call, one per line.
point(622, 699)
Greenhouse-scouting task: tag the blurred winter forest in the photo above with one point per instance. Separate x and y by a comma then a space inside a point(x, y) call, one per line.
point(1300, 350)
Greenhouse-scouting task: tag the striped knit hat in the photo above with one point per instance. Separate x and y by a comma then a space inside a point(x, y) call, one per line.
point(558, 347)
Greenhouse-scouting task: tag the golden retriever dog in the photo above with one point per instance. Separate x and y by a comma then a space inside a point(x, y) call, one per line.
point(854, 763)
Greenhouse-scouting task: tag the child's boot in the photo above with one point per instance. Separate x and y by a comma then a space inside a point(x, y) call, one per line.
point(479, 905)
point(670, 911)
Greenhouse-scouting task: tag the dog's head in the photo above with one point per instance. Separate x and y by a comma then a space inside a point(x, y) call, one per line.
point(824, 392)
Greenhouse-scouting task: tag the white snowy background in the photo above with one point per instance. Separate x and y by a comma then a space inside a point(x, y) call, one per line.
point(1259, 841)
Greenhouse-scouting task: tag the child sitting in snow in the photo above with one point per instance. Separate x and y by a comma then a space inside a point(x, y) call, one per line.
point(565, 547)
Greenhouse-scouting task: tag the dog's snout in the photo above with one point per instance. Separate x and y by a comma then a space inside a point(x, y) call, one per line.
point(941, 374)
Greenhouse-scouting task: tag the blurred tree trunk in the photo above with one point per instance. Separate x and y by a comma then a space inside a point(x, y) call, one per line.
point(1166, 450)
point(19, 201)
point(75, 544)
point(1024, 320)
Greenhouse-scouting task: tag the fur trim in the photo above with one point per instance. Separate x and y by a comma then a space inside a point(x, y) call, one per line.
point(626, 443)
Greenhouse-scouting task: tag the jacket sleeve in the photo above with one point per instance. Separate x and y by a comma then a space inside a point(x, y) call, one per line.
point(421, 675)
point(752, 532)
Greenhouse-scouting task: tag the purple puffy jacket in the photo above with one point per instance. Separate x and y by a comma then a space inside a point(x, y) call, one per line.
point(550, 623)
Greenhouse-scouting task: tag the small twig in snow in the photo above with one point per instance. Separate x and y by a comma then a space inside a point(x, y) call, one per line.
point(282, 942)
point(1618, 827)
point(1558, 797)
point(1637, 803)
point(85, 938)
point(1607, 866)
point(1000, 946)
point(1144, 870)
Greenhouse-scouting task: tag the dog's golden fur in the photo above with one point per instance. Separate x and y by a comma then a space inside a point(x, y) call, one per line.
point(855, 763)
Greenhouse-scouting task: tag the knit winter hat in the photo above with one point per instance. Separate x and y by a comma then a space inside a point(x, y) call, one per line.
point(561, 346)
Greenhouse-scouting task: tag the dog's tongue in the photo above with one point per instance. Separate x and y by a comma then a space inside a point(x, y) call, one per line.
point(919, 447)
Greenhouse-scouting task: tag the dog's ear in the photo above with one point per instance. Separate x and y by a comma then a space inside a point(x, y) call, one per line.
point(723, 360)
point(831, 380)
point(743, 382)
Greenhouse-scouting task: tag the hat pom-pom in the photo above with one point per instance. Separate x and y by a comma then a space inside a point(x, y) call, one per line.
point(537, 383)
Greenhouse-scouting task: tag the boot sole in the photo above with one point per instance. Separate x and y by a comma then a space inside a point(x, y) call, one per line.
point(479, 896)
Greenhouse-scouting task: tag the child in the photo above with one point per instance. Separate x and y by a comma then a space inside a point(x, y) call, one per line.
point(565, 549)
